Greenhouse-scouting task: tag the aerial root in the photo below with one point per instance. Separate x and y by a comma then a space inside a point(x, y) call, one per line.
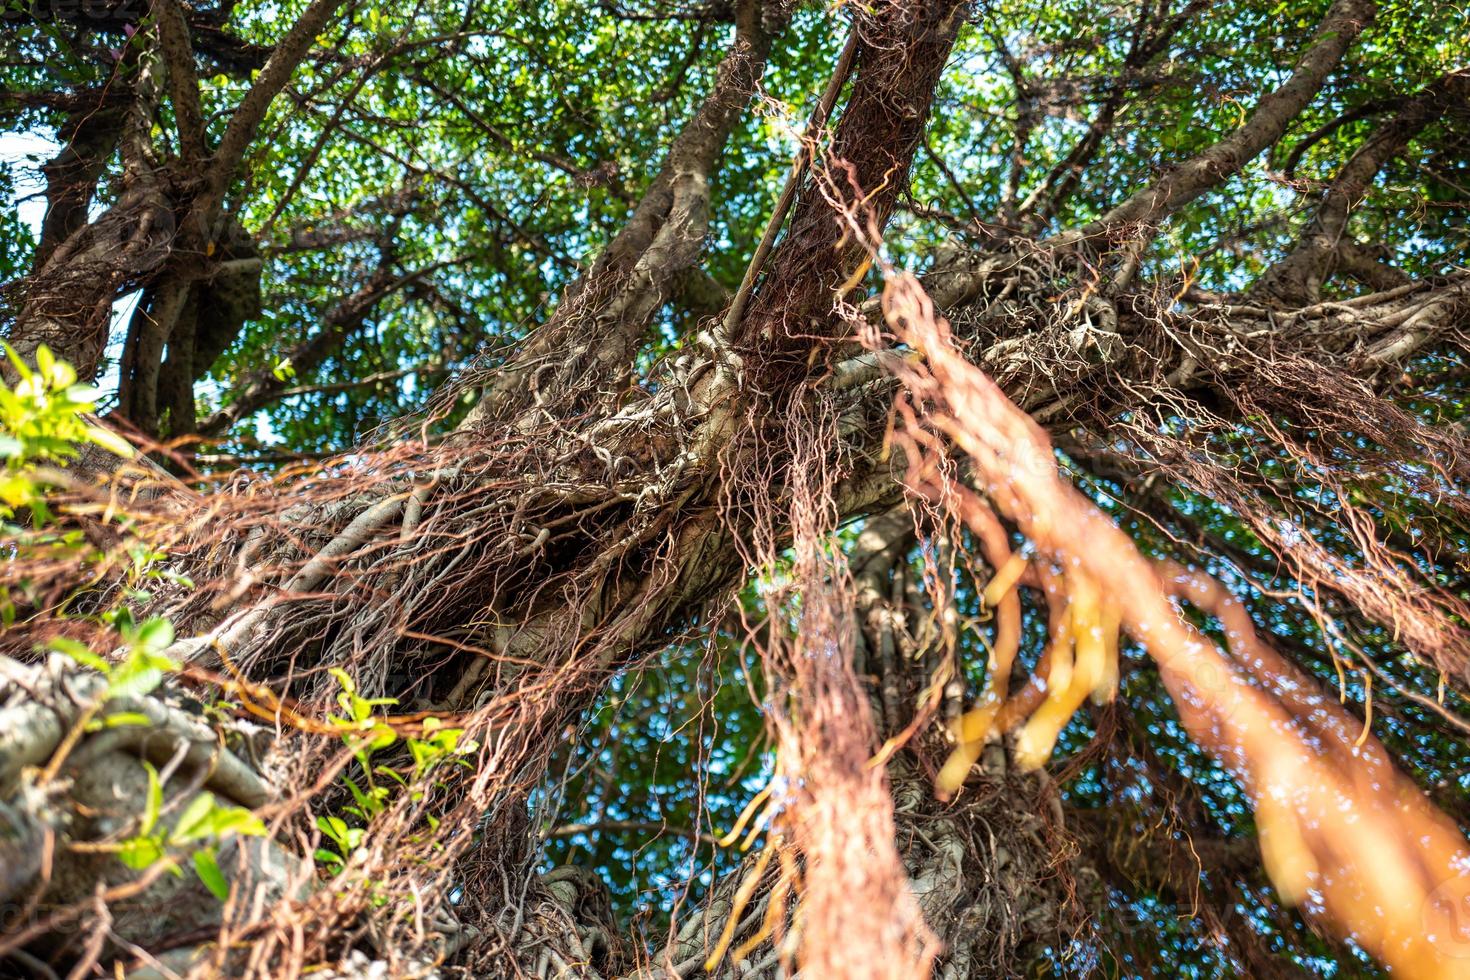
point(1080, 663)
point(742, 899)
point(1343, 833)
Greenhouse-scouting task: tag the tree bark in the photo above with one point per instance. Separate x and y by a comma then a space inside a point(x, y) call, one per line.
point(500, 578)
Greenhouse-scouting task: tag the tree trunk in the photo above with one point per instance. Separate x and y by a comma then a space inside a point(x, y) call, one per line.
point(496, 579)
point(584, 547)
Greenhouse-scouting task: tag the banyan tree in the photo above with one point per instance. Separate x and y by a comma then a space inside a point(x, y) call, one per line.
point(746, 488)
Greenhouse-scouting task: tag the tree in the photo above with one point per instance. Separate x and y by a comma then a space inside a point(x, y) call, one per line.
point(1004, 459)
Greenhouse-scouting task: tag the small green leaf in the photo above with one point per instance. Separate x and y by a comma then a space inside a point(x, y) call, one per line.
point(134, 678)
point(144, 668)
point(140, 852)
point(153, 804)
point(381, 737)
point(206, 866)
point(79, 652)
point(191, 821)
point(335, 828)
point(19, 365)
point(110, 441)
point(369, 804)
point(227, 820)
point(120, 719)
point(155, 633)
point(205, 819)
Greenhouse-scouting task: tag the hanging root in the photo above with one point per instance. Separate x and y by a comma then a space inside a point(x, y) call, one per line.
point(1342, 832)
point(1076, 668)
point(973, 728)
point(829, 806)
point(1081, 663)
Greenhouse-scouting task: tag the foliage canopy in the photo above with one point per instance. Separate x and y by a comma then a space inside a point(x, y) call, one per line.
point(421, 313)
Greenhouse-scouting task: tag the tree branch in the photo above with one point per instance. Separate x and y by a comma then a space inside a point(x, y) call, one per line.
point(1047, 198)
point(1297, 279)
point(902, 51)
point(288, 53)
point(1182, 184)
point(605, 313)
point(89, 137)
point(183, 80)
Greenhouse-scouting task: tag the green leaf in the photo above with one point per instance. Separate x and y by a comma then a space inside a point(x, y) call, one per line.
point(370, 803)
point(124, 719)
point(79, 652)
point(19, 365)
point(45, 361)
point(190, 824)
point(144, 667)
point(16, 490)
point(205, 819)
point(335, 828)
point(155, 634)
point(381, 737)
point(140, 853)
point(134, 678)
point(206, 866)
point(110, 441)
point(227, 820)
point(153, 803)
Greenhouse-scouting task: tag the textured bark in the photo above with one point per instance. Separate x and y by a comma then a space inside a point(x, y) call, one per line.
point(1325, 244)
point(906, 47)
point(1273, 114)
point(88, 139)
point(168, 223)
point(628, 581)
point(481, 576)
point(603, 317)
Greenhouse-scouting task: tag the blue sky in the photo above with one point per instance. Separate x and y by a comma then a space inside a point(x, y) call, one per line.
point(22, 154)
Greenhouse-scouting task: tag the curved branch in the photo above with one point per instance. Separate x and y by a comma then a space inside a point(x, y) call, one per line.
point(1373, 108)
point(183, 80)
point(288, 53)
point(1182, 184)
point(1047, 198)
point(1297, 279)
point(605, 312)
point(89, 138)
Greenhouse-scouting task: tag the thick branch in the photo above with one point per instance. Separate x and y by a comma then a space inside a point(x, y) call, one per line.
point(903, 50)
point(183, 80)
point(1298, 278)
point(288, 53)
point(89, 137)
point(605, 313)
point(1182, 184)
